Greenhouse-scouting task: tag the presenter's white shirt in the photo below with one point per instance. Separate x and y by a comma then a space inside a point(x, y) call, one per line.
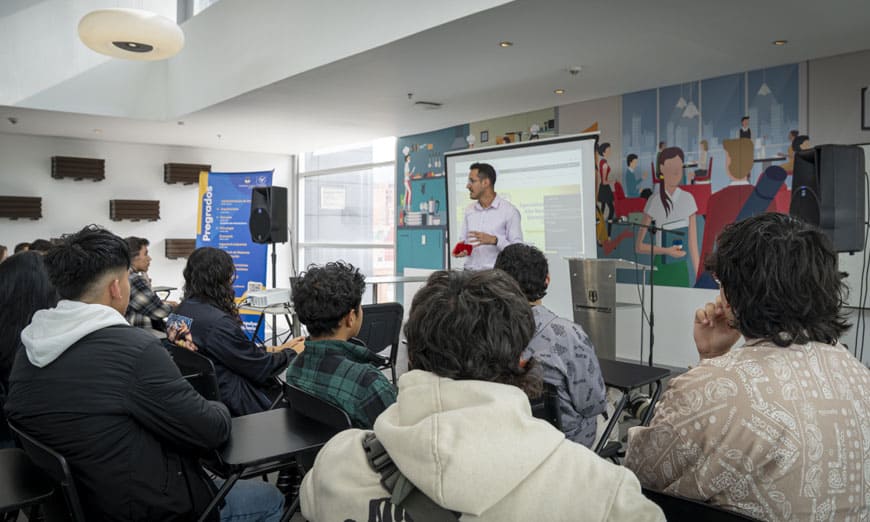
point(683, 206)
point(501, 219)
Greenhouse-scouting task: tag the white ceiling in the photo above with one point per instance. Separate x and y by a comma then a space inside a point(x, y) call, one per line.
point(622, 46)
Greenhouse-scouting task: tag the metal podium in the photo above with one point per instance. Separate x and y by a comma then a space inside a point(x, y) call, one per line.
point(593, 299)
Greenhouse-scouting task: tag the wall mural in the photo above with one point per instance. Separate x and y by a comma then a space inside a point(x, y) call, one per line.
point(698, 156)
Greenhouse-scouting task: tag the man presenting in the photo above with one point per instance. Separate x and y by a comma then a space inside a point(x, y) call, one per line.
point(491, 223)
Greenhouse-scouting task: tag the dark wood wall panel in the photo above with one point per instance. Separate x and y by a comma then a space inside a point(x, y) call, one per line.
point(178, 248)
point(187, 173)
point(78, 168)
point(16, 207)
point(134, 209)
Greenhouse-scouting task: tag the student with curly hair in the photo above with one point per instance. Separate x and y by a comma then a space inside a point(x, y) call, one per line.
point(245, 370)
point(778, 428)
point(328, 301)
point(462, 431)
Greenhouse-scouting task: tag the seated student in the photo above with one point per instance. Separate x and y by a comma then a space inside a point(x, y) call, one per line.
point(245, 371)
point(560, 345)
point(778, 428)
point(4, 253)
point(109, 399)
point(145, 310)
point(21, 247)
point(24, 289)
point(40, 245)
point(327, 300)
point(462, 430)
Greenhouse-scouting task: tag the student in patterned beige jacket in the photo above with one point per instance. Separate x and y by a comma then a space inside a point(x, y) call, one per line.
point(778, 428)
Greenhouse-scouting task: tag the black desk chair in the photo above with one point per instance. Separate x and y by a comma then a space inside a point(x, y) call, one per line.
point(316, 408)
point(679, 508)
point(22, 485)
point(53, 464)
point(626, 376)
point(546, 406)
point(197, 369)
point(381, 327)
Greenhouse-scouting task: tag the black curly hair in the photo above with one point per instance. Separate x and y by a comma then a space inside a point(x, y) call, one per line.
point(528, 266)
point(781, 279)
point(325, 294)
point(80, 259)
point(473, 325)
point(208, 277)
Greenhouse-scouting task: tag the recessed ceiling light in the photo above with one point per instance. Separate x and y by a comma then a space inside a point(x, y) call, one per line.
point(505, 44)
point(780, 42)
point(98, 131)
point(559, 91)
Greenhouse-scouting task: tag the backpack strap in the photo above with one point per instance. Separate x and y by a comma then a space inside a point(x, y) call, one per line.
point(403, 493)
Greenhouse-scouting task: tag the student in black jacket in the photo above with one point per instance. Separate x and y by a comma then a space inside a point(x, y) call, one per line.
point(109, 399)
point(245, 371)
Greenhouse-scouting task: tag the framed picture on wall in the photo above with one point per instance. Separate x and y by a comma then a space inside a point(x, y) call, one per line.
point(484, 136)
point(865, 108)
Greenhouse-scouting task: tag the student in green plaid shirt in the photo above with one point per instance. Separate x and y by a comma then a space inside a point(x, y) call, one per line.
point(328, 300)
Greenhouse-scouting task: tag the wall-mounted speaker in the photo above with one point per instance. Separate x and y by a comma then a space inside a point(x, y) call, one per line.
point(268, 221)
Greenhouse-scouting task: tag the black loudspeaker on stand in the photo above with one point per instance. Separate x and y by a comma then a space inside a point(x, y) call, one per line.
point(268, 224)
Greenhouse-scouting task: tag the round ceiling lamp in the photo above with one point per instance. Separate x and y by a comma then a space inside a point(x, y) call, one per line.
point(132, 34)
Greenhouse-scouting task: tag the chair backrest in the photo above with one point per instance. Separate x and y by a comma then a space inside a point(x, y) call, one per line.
point(316, 408)
point(679, 508)
point(546, 406)
point(382, 326)
point(55, 466)
point(197, 369)
point(618, 191)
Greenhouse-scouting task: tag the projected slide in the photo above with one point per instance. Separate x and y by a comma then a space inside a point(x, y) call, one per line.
point(552, 184)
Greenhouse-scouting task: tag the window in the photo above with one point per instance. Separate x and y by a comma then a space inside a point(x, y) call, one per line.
point(346, 209)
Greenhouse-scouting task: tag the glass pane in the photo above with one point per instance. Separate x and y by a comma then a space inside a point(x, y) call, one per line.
point(350, 207)
point(377, 151)
point(370, 261)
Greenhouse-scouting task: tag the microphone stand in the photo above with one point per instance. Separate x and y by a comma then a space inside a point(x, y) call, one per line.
point(652, 228)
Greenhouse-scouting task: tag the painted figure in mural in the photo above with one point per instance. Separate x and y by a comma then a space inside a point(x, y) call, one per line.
point(745, 131)
point(406, 204)
point(491, 223)
point(671, 208)
point(725, 204)
point(800, 143)
point(633, 177)
point(605, 185)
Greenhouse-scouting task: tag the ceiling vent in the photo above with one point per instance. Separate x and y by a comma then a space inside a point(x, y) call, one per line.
point(427, 105)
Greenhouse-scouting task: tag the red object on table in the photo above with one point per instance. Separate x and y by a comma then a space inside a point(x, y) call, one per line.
point(462, 247)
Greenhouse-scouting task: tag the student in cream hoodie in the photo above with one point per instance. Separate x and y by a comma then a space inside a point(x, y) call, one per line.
point(462, 430)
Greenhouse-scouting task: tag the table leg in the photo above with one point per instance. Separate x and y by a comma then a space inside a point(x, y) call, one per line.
point(219, 496)
point(652, 404)
point(614, 420)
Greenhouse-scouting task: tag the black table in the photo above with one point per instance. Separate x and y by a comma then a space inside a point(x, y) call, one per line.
point(22, 483)
point(262, 443)
point(626, 376)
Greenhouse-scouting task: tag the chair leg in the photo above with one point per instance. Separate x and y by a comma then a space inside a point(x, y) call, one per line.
point(290, 511)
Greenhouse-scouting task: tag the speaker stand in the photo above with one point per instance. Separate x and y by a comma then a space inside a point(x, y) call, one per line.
point(274, 285)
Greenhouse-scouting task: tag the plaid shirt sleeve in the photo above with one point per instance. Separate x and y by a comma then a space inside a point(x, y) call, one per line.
point(380, 393)
point(144, 303)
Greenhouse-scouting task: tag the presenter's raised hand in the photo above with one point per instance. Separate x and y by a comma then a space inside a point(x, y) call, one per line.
point(483, 238)
point(714, 335)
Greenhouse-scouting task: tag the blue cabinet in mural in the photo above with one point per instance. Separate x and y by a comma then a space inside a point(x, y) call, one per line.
point(420, 247)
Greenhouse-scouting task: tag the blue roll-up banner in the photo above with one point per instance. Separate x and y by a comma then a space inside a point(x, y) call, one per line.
point(222, 222)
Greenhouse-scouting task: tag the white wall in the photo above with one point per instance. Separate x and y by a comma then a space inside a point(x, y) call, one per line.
point(133, 171)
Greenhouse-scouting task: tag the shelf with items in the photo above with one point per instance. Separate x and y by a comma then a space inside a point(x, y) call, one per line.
point(428, 175)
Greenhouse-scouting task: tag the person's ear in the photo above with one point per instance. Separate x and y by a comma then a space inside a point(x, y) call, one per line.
point(115, 289)
point(547, 281)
